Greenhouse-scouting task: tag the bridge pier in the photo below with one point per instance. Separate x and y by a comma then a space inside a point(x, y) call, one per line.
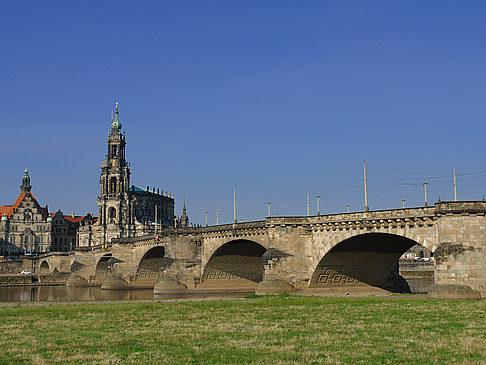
point(460, 258)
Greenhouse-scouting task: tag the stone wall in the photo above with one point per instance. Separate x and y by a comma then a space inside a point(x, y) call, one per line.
point(460, 258)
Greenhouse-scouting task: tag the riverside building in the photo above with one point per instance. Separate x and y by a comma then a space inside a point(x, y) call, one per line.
point(28, 228)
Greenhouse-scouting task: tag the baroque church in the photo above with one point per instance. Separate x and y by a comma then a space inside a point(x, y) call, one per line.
point(125, 210)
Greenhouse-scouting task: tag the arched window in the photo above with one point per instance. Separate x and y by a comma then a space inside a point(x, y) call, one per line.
point(112, 212)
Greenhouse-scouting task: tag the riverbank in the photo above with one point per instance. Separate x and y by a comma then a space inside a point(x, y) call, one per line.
point(282, 329)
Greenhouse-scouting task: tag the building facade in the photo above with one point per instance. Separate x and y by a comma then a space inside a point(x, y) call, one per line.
point(124, 210)
point(28, 228)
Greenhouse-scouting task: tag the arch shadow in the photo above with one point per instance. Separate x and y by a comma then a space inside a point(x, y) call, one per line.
point(364, 261)
point(235, 264)
point(44, 268)
point(150, 266)
point(103, 267)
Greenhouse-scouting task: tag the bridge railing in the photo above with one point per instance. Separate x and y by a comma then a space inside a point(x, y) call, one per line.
point(355, 216)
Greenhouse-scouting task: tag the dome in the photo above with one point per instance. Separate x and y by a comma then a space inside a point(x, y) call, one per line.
point(116, 124)
point(4, 218)
point(49, 219)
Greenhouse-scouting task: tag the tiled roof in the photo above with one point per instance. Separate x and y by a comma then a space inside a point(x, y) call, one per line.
point(9, 209)
point(75, 219)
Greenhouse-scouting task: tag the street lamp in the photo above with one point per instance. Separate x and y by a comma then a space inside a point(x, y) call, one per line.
point(425, 185)
point(318, 198)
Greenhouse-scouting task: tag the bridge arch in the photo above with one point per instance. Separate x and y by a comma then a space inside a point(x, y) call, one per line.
point(366, 259)
point(150, 266)
point(103, 266)
point(44, 267)
point(237, 263)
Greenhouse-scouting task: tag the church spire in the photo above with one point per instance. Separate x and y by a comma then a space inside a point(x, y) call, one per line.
point(184, 220)
point(26, 182)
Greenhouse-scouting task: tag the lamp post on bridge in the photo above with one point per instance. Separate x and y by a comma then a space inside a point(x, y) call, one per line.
point(308, 204)
point(269, 205)
point(234, 205)
point(425, 185)
point(403, 203)
point(318, 198)
point(366, 208)
point(455, 186)
point(206, 219)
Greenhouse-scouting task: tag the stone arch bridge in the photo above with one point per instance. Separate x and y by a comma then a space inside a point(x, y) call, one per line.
point(313, 254)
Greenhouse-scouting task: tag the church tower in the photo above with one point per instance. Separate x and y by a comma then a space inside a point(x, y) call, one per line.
point(114, 201)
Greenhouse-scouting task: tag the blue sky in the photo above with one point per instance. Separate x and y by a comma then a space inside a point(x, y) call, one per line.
point(275, 97)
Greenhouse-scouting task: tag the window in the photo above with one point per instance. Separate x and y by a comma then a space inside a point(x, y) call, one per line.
point(112, 212)
point(113, 185)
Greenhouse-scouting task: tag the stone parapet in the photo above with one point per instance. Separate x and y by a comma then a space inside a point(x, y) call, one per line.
point(461, 207)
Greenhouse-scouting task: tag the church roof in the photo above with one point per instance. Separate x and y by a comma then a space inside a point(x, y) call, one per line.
point(137, 189)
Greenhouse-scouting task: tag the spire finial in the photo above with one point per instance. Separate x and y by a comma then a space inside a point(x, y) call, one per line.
point(26, 181)
point(115, 124)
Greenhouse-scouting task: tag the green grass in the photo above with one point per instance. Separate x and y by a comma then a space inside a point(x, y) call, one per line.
point(271, 330)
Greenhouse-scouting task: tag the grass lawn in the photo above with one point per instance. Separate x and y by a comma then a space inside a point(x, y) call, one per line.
point(271, 330)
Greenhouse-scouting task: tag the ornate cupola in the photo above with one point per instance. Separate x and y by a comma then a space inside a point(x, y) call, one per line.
point(116, 126)
point(26, 187)
point(116, 142)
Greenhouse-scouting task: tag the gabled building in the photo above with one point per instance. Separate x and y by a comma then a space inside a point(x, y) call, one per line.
point(28, 228)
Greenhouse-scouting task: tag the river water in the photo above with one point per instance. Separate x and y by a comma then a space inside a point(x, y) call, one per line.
point(63, 293)
point(75, 294)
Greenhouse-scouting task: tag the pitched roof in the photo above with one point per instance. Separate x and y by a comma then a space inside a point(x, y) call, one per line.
point(75, 219)
point(9, 209)
point(137, 189)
